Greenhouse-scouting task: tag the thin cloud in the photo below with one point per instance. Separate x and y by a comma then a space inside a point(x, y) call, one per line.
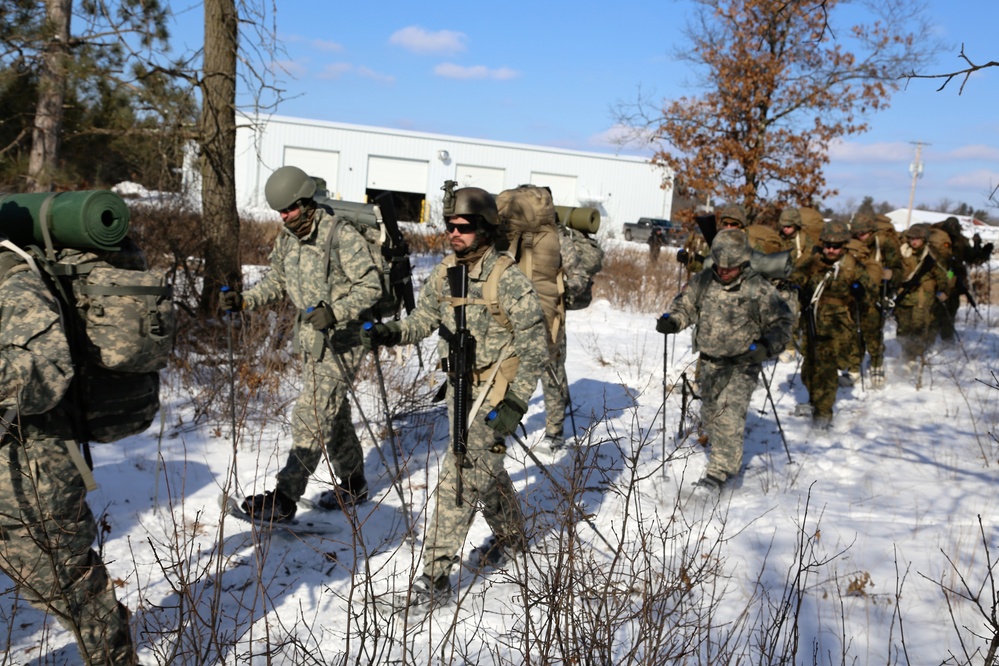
point(620, 136)
point(335, 70)
point(973, 152)
point(979, 179)
point(847, 151)
point(417, 40)
point(369, 73)
point(294, 68)
point(449, 70)
point(317, 44)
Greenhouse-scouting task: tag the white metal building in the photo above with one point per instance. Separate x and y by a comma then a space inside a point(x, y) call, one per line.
point(359, 162)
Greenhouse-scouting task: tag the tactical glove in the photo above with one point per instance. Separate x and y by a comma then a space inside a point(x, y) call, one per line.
point(505, 417)
point(857, 291)
point(759, 352)
point(380, 335)
point(230, 300)
point(667, 325)
point(320, 317)
point(683, 256)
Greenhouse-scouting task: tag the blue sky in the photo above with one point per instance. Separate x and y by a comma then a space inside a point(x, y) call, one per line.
point(550, 73)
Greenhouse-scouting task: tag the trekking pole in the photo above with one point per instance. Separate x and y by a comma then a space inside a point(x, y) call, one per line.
point(551, 479)
point(563, 388)
point(232, 393)
point(396, 473)
point(388, 414)
point(773, 405)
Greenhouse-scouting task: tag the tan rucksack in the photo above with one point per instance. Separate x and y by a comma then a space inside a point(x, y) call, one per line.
point(527, 217)
point(763, 239)
point(811, 225)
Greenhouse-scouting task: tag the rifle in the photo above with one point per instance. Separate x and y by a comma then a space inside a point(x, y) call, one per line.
point(912, 283)
point(708, 226)
point(461, 352)
point(401, 270)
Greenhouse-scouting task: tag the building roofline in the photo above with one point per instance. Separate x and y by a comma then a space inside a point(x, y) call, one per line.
point(391, 131)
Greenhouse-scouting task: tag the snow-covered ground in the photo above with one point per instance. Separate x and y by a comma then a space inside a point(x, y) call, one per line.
point(859, 545)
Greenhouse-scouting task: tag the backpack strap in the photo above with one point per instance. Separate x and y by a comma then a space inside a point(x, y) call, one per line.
point(490, 290)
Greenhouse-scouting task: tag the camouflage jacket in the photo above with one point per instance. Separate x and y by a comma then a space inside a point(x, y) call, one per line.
point(827, 287)
point(731, 317)
point(576, 280)
point(525, 339)
point(930, 281)
point(298, 269)
point(798, 244)
point(35, 363)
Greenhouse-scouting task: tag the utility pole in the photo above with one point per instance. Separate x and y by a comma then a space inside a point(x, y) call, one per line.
point(916, 169)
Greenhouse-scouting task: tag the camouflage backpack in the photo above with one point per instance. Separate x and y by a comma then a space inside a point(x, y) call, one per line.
point(577, 224)
point(120, 324)
point(388, 249)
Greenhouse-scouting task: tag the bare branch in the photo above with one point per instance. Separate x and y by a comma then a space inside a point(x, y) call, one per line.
point(963, 74)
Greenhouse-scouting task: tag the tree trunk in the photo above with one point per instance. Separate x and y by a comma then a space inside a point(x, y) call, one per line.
point(44, 155)
point(220, 220)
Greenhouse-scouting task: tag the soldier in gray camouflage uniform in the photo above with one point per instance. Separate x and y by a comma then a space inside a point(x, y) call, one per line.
point(520, 349)
point(46, 526)
point(741, 322)
point(328, 305)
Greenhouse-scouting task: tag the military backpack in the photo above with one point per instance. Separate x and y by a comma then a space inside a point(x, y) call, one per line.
point(119, 321)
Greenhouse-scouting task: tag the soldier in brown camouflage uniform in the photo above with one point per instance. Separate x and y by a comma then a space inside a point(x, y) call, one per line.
point(329, 305)
point(832, 283)
point(741, 322)
point(920, 288)
point(507, 364)
point(46, 526)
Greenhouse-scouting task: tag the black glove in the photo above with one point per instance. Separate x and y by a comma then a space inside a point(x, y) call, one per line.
point(505, 417)
point(380, 335)
point(857, 291)
point(759, 352)
point(320, 317)
point(683, 256)
point(230, 300)
point(667, 325)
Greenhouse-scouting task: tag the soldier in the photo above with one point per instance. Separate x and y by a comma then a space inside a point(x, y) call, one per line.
point(46, 526)
point(956, 266)
point(921, 280)
point(793, 239)
point(741, 322)
point(832, 282)
point(655, 245)
point(884, 265)
point(508, 359)
point(329, 302)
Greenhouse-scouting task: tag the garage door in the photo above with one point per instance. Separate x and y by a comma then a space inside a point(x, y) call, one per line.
point(563, 187)
point(395, 175)
point(488, 178)
point(323, 164)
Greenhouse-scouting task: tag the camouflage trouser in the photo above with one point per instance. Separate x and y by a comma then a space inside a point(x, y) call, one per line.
point(321, 421)
point(486, 485)
point(556, 390)
point(915, 330)
point(872, 336)
point(726, 389)
point(46, 532)
point(823, 360)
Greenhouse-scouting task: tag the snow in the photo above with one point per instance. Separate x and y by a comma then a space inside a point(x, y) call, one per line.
point(849, 539)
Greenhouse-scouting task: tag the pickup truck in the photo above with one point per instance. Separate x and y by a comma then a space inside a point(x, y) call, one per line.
point(671, 232)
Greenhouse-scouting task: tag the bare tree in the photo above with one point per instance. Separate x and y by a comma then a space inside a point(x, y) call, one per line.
point(780, 82)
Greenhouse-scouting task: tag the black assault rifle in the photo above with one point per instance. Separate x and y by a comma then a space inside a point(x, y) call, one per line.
point(460, 359)
point(912, 283)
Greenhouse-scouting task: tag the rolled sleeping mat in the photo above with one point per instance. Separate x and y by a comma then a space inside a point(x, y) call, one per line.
point(87, 220)
point(580, 219)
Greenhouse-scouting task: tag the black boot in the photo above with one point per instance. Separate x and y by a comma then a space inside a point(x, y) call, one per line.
point(272, 506)
point(346, 495)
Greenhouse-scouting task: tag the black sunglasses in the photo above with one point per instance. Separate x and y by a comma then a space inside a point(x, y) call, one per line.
point(462, 228)
point(834, 246)
point(292, 208)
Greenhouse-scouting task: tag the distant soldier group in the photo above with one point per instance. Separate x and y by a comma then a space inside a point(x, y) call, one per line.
point(845, 281)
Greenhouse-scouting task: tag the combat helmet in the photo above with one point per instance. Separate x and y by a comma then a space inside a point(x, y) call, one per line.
point(790, 217)
point(469, 201)
point(730, 249)
point(863, 223)
point(733, 212)
point(918, 230)
point(835, 232)
point(952, 226)
point(288, 185)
